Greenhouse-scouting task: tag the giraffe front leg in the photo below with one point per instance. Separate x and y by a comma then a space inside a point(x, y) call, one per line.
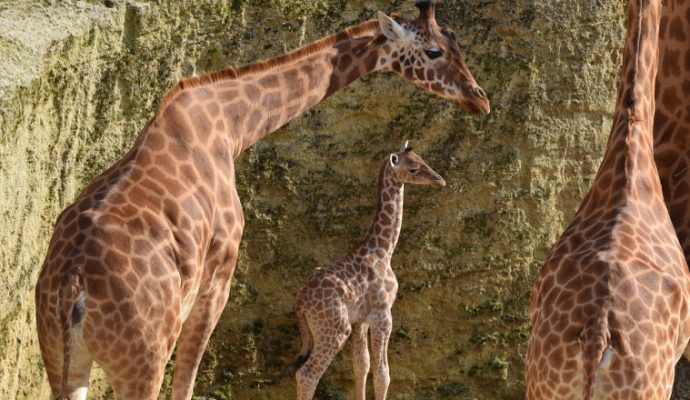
point(380, 334)
point(360, 358)
point(197, 330)
point(191, 345)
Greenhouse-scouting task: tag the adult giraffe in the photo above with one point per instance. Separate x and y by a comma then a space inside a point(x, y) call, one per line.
point(142, 261)
point(672, 115)
point(609, 310)
point(672, 124)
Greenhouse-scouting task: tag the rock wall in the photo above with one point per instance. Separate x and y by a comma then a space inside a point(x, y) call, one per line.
point(78, 80)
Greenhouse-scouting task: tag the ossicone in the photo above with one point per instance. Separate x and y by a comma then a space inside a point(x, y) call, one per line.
point(426, 8)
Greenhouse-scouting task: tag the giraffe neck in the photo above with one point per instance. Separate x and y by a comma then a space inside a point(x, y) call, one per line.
point(672, 81)
point(258, 99)
point(627, 173)
point(640, 168)
point(385, 230)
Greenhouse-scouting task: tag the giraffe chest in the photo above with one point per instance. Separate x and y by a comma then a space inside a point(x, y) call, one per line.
point(213, 274)
point(382, 291)
point(376, 294)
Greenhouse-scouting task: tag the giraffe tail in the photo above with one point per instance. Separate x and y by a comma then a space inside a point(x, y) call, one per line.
point(305, 336)
point(70, 308)
point(597, 350)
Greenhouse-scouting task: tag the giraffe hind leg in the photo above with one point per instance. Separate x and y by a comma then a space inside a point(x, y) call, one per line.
point(310, 373)
point(51, 340)
point(80, 365)
point(306, 338)
point(324, 351)
point(139, 378)
point(134, 367)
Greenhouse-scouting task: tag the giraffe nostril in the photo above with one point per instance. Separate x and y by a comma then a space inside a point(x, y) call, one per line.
point(480, 92)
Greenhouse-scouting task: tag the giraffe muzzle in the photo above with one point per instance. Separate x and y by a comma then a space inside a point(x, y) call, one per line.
point(474, 100)
point(480, 93)
point(438, 180)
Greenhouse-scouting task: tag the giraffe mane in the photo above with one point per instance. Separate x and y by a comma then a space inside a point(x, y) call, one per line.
point(265, 65)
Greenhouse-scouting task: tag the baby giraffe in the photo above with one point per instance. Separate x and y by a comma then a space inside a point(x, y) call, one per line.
point(358, 291)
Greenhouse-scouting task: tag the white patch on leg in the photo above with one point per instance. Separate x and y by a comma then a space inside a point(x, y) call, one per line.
point(606, 357)
point(185, 309)
point(353, 315)
point(79, 394)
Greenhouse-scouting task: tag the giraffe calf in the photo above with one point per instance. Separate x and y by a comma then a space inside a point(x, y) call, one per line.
point(357, 292)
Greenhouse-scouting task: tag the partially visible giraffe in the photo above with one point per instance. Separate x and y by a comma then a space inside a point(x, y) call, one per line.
point(609, 310)
point(357, 292)
point(672, 122)
point(142, 261)
point(672, 116)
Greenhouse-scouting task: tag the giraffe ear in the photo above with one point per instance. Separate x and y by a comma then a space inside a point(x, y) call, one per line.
point(391, 29)
point(394, 160)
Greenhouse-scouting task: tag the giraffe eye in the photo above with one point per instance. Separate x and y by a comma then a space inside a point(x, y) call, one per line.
point(433, 53)
point(413, 170)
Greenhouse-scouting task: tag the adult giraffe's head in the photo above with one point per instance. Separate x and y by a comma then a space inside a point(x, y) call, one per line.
point(429, 56)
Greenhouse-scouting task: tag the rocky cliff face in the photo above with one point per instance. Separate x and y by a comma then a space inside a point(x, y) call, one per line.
point(79, 80)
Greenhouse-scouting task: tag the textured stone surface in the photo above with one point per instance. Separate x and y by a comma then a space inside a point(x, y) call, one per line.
point(78, 81)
